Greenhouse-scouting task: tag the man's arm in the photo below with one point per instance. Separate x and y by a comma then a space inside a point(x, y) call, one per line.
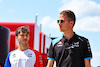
point(39, 62)
point(88, 54)
point(50, 63)
point(7, 62)
point(87, 63)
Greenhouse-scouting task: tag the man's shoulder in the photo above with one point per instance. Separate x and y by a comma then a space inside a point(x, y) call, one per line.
point(34, 51)
point(56, 40)
point(81, 38)
point(12, 52)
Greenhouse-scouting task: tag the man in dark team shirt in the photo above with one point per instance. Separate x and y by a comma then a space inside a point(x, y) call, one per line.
point(70, 50)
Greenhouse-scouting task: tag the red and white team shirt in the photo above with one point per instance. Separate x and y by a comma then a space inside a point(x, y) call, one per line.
point(26, 58)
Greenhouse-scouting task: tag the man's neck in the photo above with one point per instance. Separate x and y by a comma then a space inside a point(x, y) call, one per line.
point(22, 48)
point(68, 34)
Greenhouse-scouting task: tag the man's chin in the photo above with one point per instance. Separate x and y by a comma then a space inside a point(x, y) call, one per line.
point(61, 30)
point(25, 43)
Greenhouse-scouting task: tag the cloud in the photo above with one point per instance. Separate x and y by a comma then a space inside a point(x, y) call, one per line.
point(47, 21)
point(91, 24)
point(81, 7)
point(87, 15)
point(96, 54)
point(11, 11)
point(96, 58)
point(88, 23)
point(0, 1)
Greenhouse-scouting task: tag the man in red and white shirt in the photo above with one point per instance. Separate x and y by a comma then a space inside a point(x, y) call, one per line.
point(23, 56)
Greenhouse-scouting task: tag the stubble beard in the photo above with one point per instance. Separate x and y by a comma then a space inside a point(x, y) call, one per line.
point(23, 44)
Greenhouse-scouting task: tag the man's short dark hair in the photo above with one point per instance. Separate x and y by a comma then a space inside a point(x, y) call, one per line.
point(70, 15)
point(21, 29)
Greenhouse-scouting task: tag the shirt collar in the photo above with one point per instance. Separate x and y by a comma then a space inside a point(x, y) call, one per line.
point(72, 39)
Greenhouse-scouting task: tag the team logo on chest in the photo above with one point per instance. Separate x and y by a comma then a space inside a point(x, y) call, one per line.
point(14, 55)
point(59, 44)
point(30, 55)
point(76, 44)
point(73, 45)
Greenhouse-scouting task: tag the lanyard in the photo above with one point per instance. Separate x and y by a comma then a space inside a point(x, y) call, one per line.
point(72, 46)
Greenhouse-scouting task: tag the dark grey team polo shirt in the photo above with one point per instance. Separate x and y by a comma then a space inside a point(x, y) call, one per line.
point(70, 53)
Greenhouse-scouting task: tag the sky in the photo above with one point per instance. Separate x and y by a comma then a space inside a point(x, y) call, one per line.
point(87, 18)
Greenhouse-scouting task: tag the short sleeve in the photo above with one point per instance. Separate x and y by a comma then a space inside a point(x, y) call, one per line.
point(87, 53)
point(51, 52)
point(7, 62)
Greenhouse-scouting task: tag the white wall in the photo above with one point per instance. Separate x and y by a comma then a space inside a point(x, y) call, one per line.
point(42, 43)
point(47, 43)
point(36, 38)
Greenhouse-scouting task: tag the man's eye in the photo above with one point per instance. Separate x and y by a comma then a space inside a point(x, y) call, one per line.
point(27, 35)
point(22, 35)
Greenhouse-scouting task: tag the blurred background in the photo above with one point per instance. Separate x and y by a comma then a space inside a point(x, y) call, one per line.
point(46, 12)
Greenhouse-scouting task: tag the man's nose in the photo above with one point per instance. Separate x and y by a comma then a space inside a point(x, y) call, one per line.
point(59, 23)
point(25, 36)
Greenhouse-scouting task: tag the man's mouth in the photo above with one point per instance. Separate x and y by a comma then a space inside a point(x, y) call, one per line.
point(60, 26)
point(25, 39)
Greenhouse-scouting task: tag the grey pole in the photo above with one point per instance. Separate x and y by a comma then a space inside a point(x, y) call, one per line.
point(40, 27)
point(36, 18)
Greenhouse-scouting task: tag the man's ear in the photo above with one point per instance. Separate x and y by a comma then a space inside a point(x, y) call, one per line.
point(16, 37)
point(72, 23)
